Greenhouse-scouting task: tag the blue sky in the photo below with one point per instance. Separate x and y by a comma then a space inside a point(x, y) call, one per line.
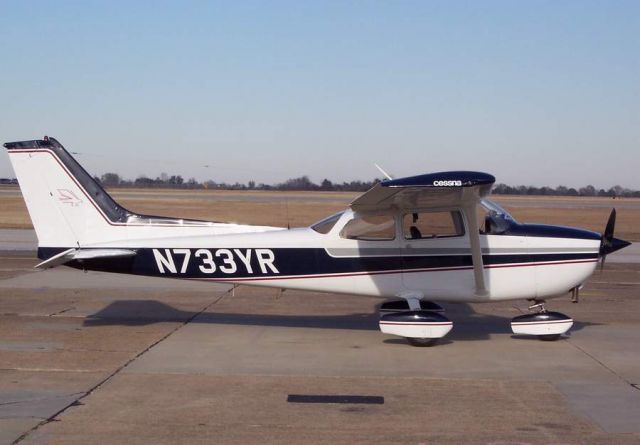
point(535, 92)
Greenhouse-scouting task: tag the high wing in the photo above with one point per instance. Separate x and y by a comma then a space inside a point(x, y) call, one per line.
point(463, 189)
point(433, 190)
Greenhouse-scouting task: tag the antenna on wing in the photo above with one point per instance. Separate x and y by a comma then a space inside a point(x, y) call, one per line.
point(383, 172)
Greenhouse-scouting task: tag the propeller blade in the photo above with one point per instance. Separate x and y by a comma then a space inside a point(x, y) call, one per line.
point(607, 238)
point(607, 235)
point(611, 225)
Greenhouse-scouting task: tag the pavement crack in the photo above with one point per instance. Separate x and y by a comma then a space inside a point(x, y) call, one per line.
point(77, 401)
point(602, 364)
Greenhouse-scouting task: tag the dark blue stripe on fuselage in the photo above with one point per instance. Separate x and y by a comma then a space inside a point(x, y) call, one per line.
point(293, 262)
point(549, 231)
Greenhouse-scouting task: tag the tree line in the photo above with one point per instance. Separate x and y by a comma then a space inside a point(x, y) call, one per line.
point(303, 183)
point(561, 190)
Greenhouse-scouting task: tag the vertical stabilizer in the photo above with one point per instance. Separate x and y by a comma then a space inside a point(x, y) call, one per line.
point(68, 208)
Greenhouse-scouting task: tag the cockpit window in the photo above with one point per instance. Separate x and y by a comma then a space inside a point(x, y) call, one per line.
point(370, 228)
point(494, 220)
point(324, 226)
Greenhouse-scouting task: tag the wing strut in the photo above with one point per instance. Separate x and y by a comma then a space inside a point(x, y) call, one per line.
point(476, 249)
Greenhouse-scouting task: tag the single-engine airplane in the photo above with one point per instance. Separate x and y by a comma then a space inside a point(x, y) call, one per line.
point(416, 239)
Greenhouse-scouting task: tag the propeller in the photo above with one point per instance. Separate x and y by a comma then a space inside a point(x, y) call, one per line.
point(608, 243)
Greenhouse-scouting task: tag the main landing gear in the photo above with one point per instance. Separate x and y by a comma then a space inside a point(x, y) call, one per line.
point(422, 323)
point(546, 325)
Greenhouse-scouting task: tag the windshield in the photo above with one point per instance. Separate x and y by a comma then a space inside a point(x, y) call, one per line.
point(496, 219)
point(494, 208)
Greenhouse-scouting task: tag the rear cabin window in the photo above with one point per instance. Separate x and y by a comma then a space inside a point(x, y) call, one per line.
point(326, 224)
point(370, 228)
point(432, 225)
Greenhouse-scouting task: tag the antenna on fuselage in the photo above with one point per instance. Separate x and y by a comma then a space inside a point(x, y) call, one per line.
point(388, 176)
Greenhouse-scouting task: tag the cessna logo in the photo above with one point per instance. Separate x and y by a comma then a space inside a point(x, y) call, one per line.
point(68, 197)
point(449, 183)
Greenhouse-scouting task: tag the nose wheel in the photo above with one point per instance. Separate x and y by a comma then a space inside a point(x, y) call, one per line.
point(544, 324)
point(422, 342)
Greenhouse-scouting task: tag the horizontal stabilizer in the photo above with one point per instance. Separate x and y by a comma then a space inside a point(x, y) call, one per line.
point(84, 254)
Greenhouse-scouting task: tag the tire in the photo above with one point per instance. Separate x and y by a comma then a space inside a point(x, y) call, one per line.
point(549, 337)
point(422, 342)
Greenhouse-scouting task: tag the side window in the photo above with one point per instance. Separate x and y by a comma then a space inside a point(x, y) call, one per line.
point(370, 228)
point(432, 225)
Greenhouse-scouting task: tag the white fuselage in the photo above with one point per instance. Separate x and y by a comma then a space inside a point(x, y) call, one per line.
point(517, 275)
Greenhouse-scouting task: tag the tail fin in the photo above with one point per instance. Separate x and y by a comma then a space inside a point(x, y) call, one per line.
point(68, 208)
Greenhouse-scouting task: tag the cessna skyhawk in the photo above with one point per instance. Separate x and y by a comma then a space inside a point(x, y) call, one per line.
point(416, 239)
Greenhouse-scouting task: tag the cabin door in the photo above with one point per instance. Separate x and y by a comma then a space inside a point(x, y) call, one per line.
point(436, 254)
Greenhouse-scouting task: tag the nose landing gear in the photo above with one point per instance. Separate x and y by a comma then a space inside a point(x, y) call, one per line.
point(546, 325)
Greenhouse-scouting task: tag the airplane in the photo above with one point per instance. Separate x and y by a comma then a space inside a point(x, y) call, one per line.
point(415, 239)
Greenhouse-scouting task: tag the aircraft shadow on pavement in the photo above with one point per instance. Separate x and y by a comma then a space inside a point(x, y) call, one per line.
point(468, 324)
